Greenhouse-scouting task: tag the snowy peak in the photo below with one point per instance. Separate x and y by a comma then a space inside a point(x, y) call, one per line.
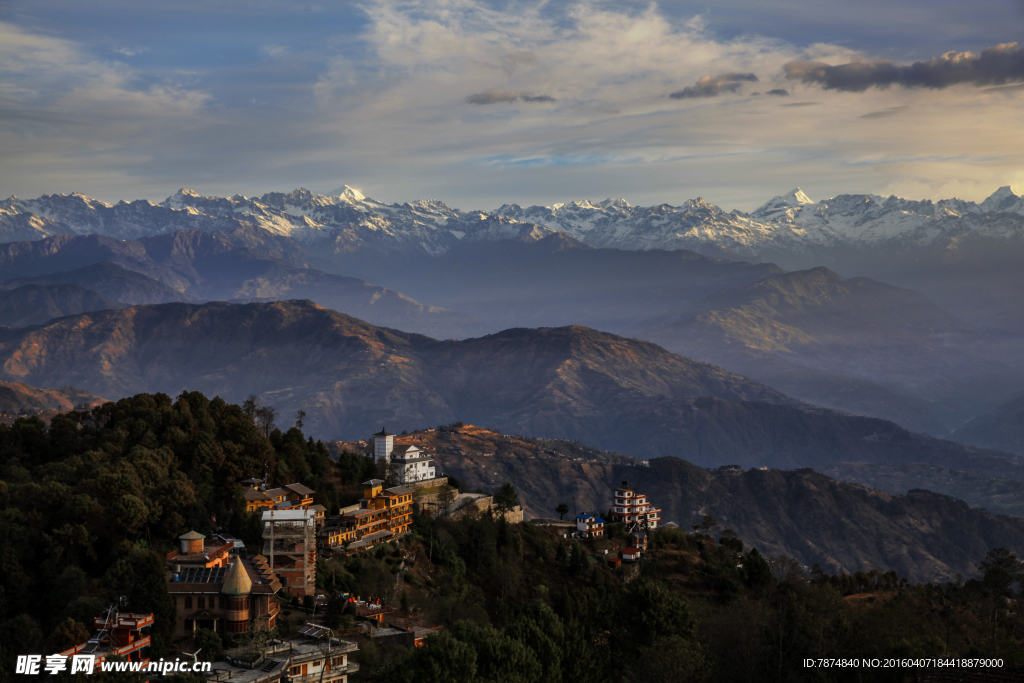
point(1002, 200)
point(794, 199)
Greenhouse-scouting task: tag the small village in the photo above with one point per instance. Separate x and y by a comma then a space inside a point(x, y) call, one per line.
point(266, 600)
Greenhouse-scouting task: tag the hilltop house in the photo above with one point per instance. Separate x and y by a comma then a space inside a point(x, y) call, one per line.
point(634, 510)
point(589, 526)
point(407, 464)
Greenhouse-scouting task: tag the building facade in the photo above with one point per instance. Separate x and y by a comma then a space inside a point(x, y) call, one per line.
point(289, 544)
point(224, 598)
point(589, 526)
point(405, 464)
point(383, 514)
point(634, 509)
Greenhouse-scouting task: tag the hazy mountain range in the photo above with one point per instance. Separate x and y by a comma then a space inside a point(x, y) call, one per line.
point(934, 339)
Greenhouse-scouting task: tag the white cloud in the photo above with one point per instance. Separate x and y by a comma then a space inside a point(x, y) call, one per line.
point(583, 111)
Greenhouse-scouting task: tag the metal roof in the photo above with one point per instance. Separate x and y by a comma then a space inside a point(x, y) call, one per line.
point(191, 536)
point(237, 581)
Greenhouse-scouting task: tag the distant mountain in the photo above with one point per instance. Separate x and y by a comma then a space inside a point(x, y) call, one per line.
point(572, 382)
point(34, 304)
point(961, 253)
point(338, 225)
point(855, 344)
point(245, 264)
point(1002, 427)
point(558, 280)
point(842, 526)
point(109, 280)
point(17, 398)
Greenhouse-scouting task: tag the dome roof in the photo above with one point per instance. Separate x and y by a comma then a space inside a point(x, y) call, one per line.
point(237, 581)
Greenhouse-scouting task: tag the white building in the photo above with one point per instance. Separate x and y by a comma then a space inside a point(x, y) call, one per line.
point(407, 464)
point(591, 526)
point(634, 509)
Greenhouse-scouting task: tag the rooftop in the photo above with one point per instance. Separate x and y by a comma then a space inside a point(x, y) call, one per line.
point(383, 432)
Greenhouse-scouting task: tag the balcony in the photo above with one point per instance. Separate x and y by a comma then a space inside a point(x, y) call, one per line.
point(329, 675)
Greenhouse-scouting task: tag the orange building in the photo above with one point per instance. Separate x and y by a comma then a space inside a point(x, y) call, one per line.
point(194, 551)
point(118, 633)
point(287, 497)
point(383, 514)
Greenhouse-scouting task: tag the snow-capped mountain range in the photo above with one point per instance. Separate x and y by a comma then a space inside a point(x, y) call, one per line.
point(346, 221)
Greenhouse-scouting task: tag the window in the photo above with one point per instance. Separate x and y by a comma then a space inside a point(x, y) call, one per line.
point(202, 603)
point(188, 602)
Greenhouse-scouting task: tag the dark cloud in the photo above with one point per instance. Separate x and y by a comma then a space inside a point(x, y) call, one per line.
point(781, 92)
point(710, 86)
point(995, 65)
point(493, 96)
point(891, 111)
point(496, 95)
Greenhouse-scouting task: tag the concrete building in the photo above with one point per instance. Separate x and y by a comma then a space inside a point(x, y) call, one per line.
point(405, 464)
point(383, 514)
point(290, 496)
point(315, 657)
point(289, 544)
point(634, 509)
point(590, 526)
point(117, 634)
point(224, 599)
point(194, 551)
point(409, 465)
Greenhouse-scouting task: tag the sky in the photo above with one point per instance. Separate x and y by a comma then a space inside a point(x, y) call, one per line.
point(527, 101)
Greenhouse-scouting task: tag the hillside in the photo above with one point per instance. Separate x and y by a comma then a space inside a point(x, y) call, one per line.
point(109, 280)
point(921, 534)
point(853, 344)
point(246, 263)
point(34, 304)
point(571, 382)
point(1002, 427)
point(17, 398)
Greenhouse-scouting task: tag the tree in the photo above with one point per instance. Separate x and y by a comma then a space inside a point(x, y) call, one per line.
point(506, 499)
point(1001, 571)
point(148, 594)
point(562, 510)
point(446, 497)
point(265, 417)
point(708, 524)
point(300, 417)
point(209, 645)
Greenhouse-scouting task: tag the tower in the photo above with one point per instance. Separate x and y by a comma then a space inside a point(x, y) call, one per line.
point(383, 444)
point(236, 590)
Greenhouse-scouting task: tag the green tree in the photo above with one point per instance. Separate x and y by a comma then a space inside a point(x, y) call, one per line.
point(506, 499)
point(562, 510)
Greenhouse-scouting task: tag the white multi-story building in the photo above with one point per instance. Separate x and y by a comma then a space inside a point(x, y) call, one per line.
point(633, 509)
point(590, 526)
point(406, 464)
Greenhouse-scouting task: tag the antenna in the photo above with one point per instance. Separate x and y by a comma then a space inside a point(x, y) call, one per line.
point(574, 506)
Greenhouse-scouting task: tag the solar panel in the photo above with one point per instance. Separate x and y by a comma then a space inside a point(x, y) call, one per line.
point(314, 630)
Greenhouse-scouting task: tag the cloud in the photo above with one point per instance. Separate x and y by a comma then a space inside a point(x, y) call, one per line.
point(883, 113)
point(493, 96)
point(780, 92)
point(800, 104)
point(130, 51)
point(996, 65)
point(496, 95)
point(711, 86)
